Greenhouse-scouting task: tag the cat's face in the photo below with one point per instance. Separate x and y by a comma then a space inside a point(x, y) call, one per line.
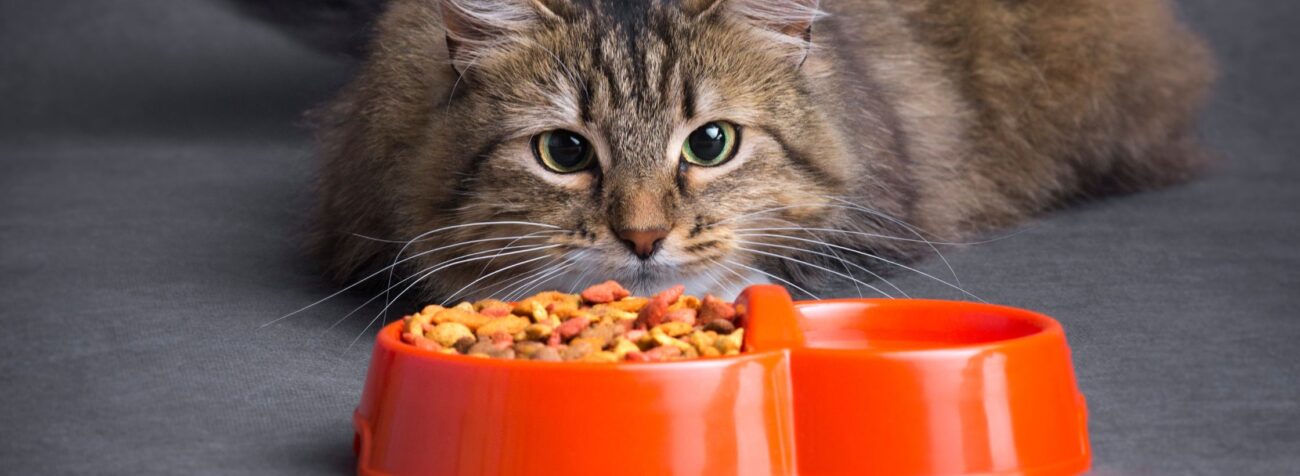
point(583, 142)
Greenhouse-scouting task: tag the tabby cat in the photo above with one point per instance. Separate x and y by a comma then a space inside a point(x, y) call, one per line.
point(498, 147)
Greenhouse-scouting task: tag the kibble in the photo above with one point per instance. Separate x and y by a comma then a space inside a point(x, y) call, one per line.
point(603, 323)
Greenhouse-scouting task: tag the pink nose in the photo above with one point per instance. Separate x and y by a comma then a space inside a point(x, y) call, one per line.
point(643, 243)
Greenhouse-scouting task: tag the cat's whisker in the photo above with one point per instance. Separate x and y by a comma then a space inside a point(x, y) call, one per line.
point(847, 205)
point(878, 258)
point(773, 276)
point(719, 265)
point(713, 277)
point(452, 296)
point(860, 233)
point(380, 271)
point(508, 284)
point(499, 288)
point(518, 288)
point(858, 266)
point(430, 269)
point(811, 265)
point(908, 226)
point(384, 311)
point(427, 234)
point(843, 262)
point(498, 251)
point(545, 279)
point(489, 262)
point(573, 288)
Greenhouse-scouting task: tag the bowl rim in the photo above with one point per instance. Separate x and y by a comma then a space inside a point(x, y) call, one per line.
point(1046, 327)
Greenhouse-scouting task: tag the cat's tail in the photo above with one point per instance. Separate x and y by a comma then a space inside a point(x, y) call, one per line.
point(340, 27)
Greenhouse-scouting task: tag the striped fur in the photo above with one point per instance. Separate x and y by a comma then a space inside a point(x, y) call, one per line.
point(950, 117)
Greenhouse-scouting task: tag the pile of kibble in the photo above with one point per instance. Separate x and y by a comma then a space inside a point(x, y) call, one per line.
point(604, 323)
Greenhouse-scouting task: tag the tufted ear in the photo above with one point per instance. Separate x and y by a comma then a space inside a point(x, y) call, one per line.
point(476, 27)
point(787, 22)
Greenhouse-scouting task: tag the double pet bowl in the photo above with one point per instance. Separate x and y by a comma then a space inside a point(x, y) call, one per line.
point(851, 386)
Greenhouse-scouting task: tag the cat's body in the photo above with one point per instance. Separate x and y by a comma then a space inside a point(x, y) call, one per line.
point(905, 119)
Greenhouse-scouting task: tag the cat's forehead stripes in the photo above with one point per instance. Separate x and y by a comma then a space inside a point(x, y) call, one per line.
point(634, 58)
point(615, 71)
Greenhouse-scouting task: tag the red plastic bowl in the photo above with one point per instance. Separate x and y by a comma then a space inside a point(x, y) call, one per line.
point(854, 386)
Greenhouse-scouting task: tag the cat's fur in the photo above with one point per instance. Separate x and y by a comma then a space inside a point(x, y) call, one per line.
point(953, 117)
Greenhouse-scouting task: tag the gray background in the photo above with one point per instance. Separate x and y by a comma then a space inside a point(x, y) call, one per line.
point(154, 180)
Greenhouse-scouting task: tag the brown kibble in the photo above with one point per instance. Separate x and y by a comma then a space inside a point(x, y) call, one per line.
point(602, 332)
point(604, 323)
point(488, 349)
point(712, 309)
point(464, 344)
point(484, 348)
point(607, 291)
point(528, 349)
point(447, 333)
point(576, 351)
point(721, 326)
point(548, 354)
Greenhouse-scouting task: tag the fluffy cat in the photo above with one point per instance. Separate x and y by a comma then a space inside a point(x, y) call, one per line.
point(497, 147)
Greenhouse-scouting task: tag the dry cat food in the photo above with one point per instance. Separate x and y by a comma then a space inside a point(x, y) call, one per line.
point(603, 323)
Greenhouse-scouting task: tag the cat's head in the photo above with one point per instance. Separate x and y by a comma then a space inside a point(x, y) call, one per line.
point(531, 144)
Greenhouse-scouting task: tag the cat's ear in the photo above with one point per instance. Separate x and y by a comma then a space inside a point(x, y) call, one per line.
point(787, 22)
point(476, 27)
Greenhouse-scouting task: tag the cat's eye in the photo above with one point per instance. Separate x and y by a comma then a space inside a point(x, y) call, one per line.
point(563, 152)
point(712, 144)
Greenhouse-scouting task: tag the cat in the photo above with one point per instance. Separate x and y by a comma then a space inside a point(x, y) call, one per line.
point(497, 147)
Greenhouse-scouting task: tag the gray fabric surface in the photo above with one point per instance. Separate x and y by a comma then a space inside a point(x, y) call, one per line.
point(153, 187)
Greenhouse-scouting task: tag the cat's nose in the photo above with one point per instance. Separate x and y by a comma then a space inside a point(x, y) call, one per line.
point(643, 243)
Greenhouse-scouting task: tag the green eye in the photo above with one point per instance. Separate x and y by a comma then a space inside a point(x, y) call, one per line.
point(712, 144)
point(562, 151)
